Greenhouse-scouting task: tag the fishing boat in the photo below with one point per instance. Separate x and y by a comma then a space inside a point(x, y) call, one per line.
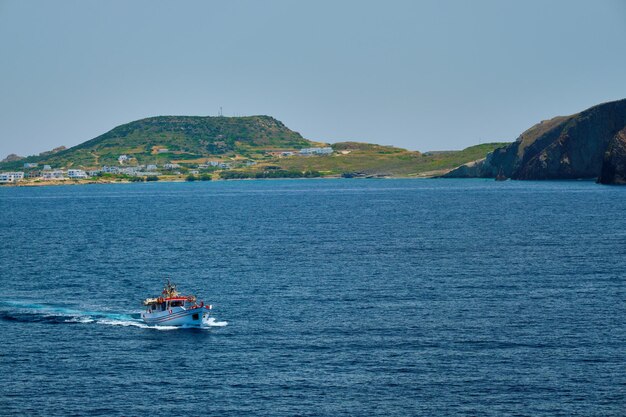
point(174, 309)
point(501, 176)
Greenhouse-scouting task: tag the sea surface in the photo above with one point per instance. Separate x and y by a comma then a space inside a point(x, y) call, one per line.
point(330, 298)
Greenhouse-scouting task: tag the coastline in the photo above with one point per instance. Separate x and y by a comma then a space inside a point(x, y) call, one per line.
point(173, 179)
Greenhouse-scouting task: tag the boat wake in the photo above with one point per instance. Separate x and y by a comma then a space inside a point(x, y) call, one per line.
point(210, 322)
point(14, 311)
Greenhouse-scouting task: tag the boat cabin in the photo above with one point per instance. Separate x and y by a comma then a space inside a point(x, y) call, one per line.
point(155, 305)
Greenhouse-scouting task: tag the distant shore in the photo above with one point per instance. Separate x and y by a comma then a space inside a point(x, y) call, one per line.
point(182, 178)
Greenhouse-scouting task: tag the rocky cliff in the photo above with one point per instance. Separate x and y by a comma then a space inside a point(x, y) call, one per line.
point(614, 162)
point(12, 158)
point(582, 145)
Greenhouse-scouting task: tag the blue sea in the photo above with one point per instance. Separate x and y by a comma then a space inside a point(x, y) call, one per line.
point(330, 297)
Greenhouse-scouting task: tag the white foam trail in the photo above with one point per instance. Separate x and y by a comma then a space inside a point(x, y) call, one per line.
point(212, 323)
point(80, 320)
point(134, 323)
point(69, 315)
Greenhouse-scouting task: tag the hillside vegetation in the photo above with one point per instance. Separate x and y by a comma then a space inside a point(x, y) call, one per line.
point(184, 138)
point(244, 141)
point(376, 160)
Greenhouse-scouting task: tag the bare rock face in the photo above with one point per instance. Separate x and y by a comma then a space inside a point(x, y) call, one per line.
point(471, 170)
point(12, 158)
point(567, 147)
point(614, 163)
point(55, 150)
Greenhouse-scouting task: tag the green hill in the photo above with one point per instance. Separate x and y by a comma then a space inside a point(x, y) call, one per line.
point(190, 140)
point(165, 138)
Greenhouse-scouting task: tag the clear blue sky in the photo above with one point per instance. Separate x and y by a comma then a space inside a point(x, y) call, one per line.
point(424, 75)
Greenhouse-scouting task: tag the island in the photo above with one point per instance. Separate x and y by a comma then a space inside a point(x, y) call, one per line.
point(189, 148)
point(586, 145)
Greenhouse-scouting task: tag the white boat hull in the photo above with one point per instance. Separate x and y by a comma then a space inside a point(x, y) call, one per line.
point(176, 316)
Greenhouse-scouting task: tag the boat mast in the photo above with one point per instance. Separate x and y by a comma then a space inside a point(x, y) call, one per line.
point(170, 290)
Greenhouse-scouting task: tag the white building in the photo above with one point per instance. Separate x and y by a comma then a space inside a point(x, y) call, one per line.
point(316, 151)
point(47, 167)
point(76, 173)
point(6, 177)
point(31, 165)
point(151, 167)
point(110, 170)
point(123, 158)
point(171, 166)
point(163, 150)
point(129, 170)
point(54, 175)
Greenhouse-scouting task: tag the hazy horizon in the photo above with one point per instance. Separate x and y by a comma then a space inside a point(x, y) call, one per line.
point(427, 76)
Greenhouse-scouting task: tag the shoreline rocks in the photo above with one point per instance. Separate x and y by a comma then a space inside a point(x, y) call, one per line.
point(589, 144)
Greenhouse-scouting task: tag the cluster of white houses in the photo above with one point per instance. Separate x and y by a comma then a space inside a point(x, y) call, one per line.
point(215, 164)
point(57, 174)
point(316, 151)
point(302, 152)
point(134, 171)
point(47, 173)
